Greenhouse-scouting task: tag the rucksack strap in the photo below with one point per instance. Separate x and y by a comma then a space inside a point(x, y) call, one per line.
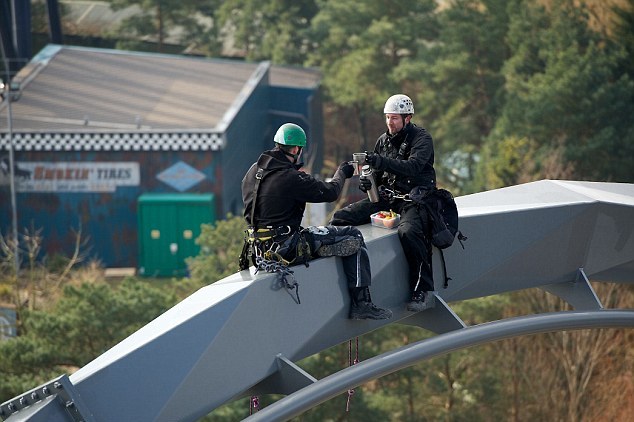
point(444, 269)
point(403, 149)
point(461, 237)
point(259, 175)
point(248, 247)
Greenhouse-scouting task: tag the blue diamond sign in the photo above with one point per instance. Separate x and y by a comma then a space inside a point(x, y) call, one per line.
point(181, 176)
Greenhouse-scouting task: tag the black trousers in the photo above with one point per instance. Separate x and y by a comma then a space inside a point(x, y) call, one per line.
point(413, 232)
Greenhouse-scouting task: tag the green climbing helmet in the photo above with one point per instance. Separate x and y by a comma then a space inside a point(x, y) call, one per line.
point(290, 134)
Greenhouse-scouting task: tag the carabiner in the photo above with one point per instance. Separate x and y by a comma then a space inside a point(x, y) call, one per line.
point(288, 232)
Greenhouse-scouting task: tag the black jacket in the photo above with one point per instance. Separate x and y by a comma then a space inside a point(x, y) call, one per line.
point(284, 191)
point(416, 165)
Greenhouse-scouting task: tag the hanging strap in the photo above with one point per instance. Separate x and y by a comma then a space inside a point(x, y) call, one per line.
point(461, 237)
point(444, 269)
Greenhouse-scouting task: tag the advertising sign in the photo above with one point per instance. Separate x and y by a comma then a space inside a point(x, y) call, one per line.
point(34, 176)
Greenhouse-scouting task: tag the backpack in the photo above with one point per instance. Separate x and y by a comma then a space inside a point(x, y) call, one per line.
point(443, 216)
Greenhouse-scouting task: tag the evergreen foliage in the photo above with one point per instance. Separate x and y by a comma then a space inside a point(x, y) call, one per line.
point(87, 320)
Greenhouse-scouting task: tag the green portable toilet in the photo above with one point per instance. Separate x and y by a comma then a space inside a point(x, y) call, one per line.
point(168, 227)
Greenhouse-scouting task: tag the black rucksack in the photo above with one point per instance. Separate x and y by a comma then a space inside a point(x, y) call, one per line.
point(443, 215)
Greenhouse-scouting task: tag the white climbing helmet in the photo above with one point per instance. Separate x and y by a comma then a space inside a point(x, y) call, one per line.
point(399, 104)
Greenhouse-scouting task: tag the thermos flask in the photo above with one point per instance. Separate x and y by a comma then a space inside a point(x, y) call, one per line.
point(366, 173)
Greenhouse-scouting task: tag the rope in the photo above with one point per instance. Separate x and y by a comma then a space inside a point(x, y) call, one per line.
point(283, 270)
point(352, 362)
point(254, 404)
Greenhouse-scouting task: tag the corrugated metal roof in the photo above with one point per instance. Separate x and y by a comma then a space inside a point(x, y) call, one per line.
point(76, 98)
point(86, 89)
point(294, 77)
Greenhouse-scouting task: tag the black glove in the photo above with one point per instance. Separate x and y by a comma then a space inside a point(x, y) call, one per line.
point(347, 169)
point(365, 184)
point(374, 160)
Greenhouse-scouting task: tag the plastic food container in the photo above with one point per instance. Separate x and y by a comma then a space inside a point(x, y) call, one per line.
point(385, 219)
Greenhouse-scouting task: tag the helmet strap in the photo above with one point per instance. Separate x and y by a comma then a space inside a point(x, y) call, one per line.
point(295, 156)
point(403, 116)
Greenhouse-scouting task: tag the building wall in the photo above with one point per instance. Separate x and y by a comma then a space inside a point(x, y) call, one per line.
point(302, 106)
point(58, 192)
point(245, 138)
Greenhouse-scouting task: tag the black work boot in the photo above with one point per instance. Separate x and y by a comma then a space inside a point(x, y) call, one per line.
point(418, 302)
point(362, 306)
point(346, 247)
point(368, 310)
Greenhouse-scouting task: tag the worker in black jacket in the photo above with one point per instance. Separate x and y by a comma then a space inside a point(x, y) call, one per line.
point(402, 160)
point(275, 192)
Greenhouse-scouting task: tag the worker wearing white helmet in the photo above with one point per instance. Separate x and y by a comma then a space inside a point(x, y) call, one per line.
point(403, 161)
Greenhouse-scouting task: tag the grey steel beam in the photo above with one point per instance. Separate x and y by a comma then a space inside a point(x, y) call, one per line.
point(387, 363)
point(578, 293)
point(439, 318)
point(60, 391)
point(288, 379)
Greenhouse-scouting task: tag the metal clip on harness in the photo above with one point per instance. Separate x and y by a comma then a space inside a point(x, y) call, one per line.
point(390, 194)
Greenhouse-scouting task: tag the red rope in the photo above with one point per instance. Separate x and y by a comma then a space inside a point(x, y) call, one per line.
point(352, 362)
point(254, 404)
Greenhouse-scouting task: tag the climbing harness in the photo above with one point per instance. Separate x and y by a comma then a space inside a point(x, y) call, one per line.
point(266, 253)
point(402, 154)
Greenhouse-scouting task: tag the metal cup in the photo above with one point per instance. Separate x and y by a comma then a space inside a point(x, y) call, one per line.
point(358, 160)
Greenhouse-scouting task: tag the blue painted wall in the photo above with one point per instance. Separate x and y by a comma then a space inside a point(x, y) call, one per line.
point(108, 220)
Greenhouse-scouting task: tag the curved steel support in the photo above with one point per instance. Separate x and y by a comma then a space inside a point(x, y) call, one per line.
point(387, 363)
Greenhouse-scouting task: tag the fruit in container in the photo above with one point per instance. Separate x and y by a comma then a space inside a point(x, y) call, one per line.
point(386, 214)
